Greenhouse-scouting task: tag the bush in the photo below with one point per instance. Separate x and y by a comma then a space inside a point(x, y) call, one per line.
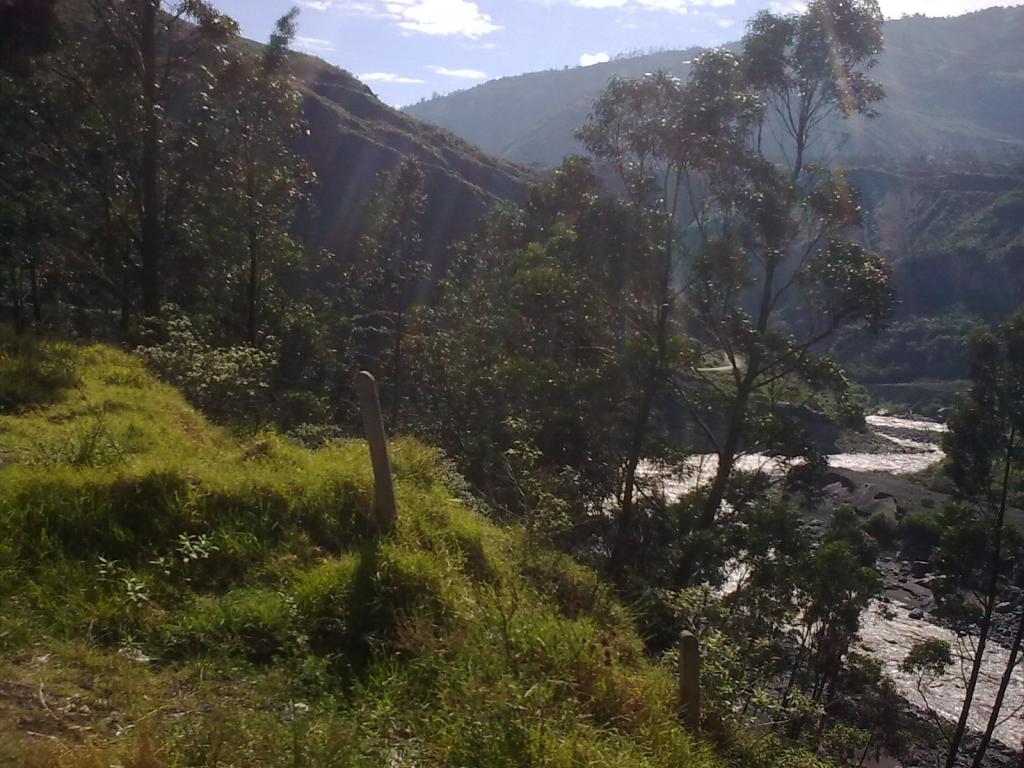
point(883, 529)
point(224, 382)
point(920, 533)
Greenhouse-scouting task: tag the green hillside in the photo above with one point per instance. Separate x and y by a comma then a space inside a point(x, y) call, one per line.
point(953, 85)
point(174, 595)
point(957, 248)
point(353, 137)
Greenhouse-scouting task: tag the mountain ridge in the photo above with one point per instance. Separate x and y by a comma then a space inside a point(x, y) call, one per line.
point(354, 137)
point(954, 85)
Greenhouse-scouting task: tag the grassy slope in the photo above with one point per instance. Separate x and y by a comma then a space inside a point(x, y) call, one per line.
point(176, 596)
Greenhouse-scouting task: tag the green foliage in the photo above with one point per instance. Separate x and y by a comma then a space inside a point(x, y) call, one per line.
point(920, 533)
point(283, 629)
point(224, 382)
point(930, 657)
point(526, 376)
point(930, 70)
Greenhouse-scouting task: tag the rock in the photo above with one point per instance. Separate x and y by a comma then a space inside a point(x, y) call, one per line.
point(867, 496)
point(917, 613)
point(920, 568)
point(837, 491)
point(834, 478)
point(886, 507)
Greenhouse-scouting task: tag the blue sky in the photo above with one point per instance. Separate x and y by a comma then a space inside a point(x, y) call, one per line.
point(408, 49)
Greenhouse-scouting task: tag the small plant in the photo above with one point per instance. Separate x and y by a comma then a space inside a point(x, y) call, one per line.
point(92, 443)
point(194, 548)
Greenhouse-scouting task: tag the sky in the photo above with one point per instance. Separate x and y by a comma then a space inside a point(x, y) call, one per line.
point(407, 50)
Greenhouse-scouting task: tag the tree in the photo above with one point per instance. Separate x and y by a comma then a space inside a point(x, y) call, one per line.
point(258, 179)
point(27, 28)
point(523, 365)
point(812, 67)
point(983, 446)
point(778, 274)
point(388, 271)
point(139, 71)
point(752, 259)
point(651, 133)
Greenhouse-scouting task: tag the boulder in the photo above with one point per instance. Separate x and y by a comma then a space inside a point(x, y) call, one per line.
point(885, 506)
point(920, 568)
point(866, 495)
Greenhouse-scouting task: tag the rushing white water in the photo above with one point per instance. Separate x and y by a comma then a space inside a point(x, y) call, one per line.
point(914, 454)
point(889, 634)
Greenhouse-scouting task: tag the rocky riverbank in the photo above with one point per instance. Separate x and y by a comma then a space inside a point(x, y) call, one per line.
point(903, 615)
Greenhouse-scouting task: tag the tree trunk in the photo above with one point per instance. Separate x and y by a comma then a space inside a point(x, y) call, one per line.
point(151, 225)
point(253, 241)
point(627, 512)
point(997, 705)
point(738, 420)
point(986, 621)
point(726, 459)
point(396, 367)
point(33, 281)
point(867, 748)
point(627, 515)
point(16, 301)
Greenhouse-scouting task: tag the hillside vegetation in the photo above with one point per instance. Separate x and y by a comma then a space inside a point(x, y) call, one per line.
point(953, 86)
point(353, 137)
point(174, 595)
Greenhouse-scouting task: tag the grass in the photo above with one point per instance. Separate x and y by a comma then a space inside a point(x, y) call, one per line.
point(175, 595)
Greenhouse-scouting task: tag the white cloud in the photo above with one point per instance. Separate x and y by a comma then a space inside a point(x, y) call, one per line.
point(589, 59)
point(463, 74)
point(312, 44)
point(461, 18)
point(673, 6)
point(667, 6)
point(725, 23)
point(389, 77)
point(441, 17)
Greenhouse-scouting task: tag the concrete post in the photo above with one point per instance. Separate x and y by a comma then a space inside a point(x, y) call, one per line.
point(689, 681)
point(385, 507)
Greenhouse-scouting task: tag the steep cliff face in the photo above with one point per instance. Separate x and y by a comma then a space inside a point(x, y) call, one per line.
point(353, 137)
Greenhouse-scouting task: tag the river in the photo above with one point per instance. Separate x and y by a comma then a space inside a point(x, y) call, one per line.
point(888, 634)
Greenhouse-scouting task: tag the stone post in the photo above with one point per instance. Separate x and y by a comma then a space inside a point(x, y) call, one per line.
point(385, 507)
point(689, 682)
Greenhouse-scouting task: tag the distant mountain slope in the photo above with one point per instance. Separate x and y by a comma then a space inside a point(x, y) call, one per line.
point(353, 136)
point(953, 85)
point(955, 237)
point(531, 118)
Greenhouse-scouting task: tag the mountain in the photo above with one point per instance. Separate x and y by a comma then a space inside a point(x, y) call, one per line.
point(353, 136)
point(954, 85)
point(956, 244)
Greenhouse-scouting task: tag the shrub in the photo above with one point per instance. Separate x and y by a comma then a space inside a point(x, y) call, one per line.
point(920, 533)
point(882, 528)
point(224, 382)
